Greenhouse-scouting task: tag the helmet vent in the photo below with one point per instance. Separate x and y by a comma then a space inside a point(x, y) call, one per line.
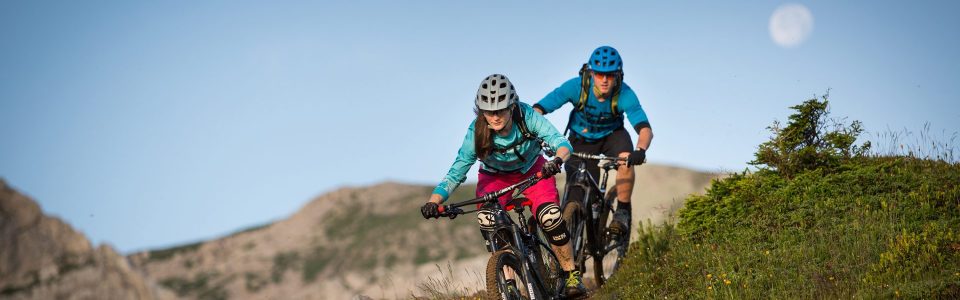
point(495, 93)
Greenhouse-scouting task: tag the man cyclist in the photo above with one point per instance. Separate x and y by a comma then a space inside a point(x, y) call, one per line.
point(600, 99)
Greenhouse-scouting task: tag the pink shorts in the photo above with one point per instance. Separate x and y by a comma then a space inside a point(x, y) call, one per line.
point(545, 191)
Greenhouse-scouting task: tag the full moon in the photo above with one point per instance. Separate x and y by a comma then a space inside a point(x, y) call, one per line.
point(791, 25)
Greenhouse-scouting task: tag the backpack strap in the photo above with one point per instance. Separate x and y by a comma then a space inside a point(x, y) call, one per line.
point(520, 119)
point(525, 135)
point(585, 75)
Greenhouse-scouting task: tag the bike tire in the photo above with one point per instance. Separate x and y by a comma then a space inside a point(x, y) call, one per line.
point(496, 278)
point(606, 262)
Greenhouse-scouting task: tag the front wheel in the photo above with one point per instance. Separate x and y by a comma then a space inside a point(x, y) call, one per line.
point(503, 267)
point(610, 247)
point(573, 217)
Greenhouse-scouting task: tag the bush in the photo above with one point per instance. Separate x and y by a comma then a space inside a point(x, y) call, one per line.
point(809, 141)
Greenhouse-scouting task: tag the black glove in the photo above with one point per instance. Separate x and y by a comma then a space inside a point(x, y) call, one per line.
point(552, 167)
point(637, 157)
point(430, 210)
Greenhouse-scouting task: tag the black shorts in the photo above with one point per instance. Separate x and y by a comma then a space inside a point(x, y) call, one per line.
point(611, 145)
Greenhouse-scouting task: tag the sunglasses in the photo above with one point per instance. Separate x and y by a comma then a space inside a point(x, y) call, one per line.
point(498, 112)
point(605, 76)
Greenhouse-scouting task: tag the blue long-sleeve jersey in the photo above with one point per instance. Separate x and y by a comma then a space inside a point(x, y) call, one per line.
point(596, 120)
point(529, 150)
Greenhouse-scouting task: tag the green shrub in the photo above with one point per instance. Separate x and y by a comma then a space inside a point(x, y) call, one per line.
point(281, 263)
point(254, 282)
point(202, 286)
point(810, 140)
point(315, 262)
point(165, 254)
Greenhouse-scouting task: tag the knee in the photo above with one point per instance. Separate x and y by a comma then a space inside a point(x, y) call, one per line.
point(551, 221)
point(625, 171)
point(487, 221)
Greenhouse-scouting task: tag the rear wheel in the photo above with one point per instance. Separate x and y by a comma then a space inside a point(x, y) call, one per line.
point(502, 267)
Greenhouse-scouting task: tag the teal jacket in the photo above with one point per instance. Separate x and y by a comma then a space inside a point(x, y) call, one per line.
point(596, 120)
point(508, 161)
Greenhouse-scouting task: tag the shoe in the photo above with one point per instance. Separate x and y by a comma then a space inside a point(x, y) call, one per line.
point(575, 286)
point(621, 222)
point(512, 290)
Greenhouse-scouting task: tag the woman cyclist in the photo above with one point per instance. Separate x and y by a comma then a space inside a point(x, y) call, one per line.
point(508, 155)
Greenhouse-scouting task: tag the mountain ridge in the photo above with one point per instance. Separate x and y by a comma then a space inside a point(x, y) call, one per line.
point(349, 242)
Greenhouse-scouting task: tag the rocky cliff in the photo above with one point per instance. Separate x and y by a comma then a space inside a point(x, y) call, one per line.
point(42, 257)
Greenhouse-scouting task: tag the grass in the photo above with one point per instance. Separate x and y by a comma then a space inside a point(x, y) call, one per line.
point(205, 285)
point(165, 254)
point(870, 225)
point(444, 287)
point(885, 227)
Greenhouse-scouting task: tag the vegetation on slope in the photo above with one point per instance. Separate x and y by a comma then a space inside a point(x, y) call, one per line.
point(819, 218)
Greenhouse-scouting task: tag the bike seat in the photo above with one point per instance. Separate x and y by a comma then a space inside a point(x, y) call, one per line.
point(523, 201)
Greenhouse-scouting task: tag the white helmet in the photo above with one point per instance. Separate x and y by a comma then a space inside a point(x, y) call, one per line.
point(496, 93)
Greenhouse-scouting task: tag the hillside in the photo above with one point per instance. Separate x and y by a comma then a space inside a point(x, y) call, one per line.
point(42, 257)
point(819, 218)
point(367, 241)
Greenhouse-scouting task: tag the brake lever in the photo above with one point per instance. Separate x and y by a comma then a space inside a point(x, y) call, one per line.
point(454, 212)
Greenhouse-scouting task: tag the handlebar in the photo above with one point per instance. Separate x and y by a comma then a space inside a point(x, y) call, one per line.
point(454, 209)
point(604, 161)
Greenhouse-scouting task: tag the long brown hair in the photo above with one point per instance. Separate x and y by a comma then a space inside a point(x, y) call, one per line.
point(482, 136)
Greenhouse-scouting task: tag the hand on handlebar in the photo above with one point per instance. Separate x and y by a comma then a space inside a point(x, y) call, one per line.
point(430, 210)
point(637, 157)
point(552, 167)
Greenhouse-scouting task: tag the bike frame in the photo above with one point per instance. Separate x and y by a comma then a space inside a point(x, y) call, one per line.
point(522, 244)
point(590, 207)
point(522, 241)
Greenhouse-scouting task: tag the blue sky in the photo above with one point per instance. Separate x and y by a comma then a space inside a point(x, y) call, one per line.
point(146, 125)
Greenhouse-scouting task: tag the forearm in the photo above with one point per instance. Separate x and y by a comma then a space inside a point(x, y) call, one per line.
point(563, 153)
point(644, 137)
point(436, 198)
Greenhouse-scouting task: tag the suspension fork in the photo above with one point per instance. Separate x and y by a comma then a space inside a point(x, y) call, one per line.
point(533, 280)
point(594, 197)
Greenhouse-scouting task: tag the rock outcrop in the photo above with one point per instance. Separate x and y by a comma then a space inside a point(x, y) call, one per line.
point(42, 257)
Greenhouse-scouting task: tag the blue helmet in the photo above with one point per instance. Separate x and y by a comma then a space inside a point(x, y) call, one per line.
point(605, 59)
